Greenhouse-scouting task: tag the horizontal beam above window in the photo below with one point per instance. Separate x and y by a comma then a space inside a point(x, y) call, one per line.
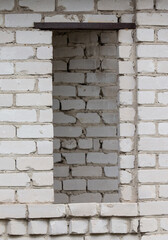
point(83, 26)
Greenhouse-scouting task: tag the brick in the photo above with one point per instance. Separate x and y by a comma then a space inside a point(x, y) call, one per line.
point(88, 91)
point(37, 227)
point(110, 144)
point(3, 227)
point(146, 160)
point(88, 117)
point(99, 226)
point(76, 5)
point(154, 176)
point(107, 37)
point(67, 131)
point(78, 226)
point(62, 18)
point(7, 131)
point(101, 104)
point(153, 51)
point(127, 114)
point(16, 53)
point(127, 129)
point(60, 117)
point(126, 193)
point(161, 5)
point(164, 223)
point(113, 5)
point(85, 143)
point(102, 185)
point(69, 144)
point(127, 161)
point(82, 37)
point(6, 68)
point(60, 198)
point(146, 97)
point(58, 227)
point(163, 160)
point(74, 184)
point(162, 67)
point(102, 158)
point(36, 163)
point(66, 91)
point(101, 78)
point(146, 128)
point(12, 211)
point(57, 157)
point(46, 115)
point(153, 208)
point(142, 4)
point(125, 36)
point(153, 113)
point(162, 98)
point(145, 66)
point(127, 18)
point(146, 192)
point(126, 67)
point(101, 131)
point(86, 171)
point(110, 92)
point(100, 18)
point(86, 197)
point(110, 64)
point(72, 104)
point(6, 196)
point(17, 147)
point(68, 77)
point(118, 225)
point(108, 51)
point(126, 145)
point(118, 209)
point(114, 197)
point(59, 40)
point(159, 82)
point(61, 171)
point(153, 144)
point(111, 172)
point(57, 185)
point(110, 117)
point(7, 163)
point(83, 210)
point(59, 65)
point(152, 19)
point(162, 35)
point(84, 64)
point(21, 20)
point(163, 191)
point(33, 37)
point(1, 20)
point(34, 67)
point(6, 36)
point(7, 5)
point(148, 225)
point(145, 34)
point(125, 98)
point(17, 84)
point(125, 51)
point(44, 52)
point(34, 5)
point(56, 143)
point(68, 52)
point(14, 179)
point(125, 177)
point(36, 131)
point(42, 179)
point(45, 84)
point(163, 128)
point(16, 227)
point(34, 99)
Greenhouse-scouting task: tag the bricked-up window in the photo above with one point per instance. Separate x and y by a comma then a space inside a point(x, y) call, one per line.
point(85, 90)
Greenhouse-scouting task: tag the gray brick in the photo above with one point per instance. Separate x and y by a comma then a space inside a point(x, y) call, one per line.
point(87, 171)
point(84, 64)
point(66, 77)
point(101, 104)
point(60, 40)
point(112, 197)
point(86, 197)
point(74, 184)
point(66, 91)
point(57, 185)
point(85, 143)
point(61, 171)
point(69, 144)
point(64, 52)
point(101, 131)
point(82, 37)
point(56, 104)
point(110, 117)
point(59, 65)
point(110, 64)
point(110, 145)
point(111, 171)
point(110, 51)
point(74, 158)
point(67, 131)
point(88, 117)
point(102, 185)
point(61, 198)
point(101, 78)
point(102, 158)
point(111, 92)
point(57, 157)
point(56, 143)
point(72, 104)
point(60, 117)
point(88, 91)
point(109, 37)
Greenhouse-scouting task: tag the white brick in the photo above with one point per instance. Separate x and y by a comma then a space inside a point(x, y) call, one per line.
point(14, 179)
point(143, 4)
point(36, 131)
point(118, 225)
point(152, 19)
point(7, 5)
point(6, 68)
point(34, 99)
point(6, 100)
point(88, 117)
point(34, 37)
point(16, 227)
point(37, 227)
point(34, 67)
point(6, 36)
point(153, 144)
point(146, 192)
point(153, 113)
point(35, 163)
point(7, 196)
point(78, 226)
point(99, 226)
point(163, 160)
point(7, 131)
point(125, 51)
point(163, 35)
point(35, 195)
point(83, 209)
point(46, 211)
point(3, 227)
point(18, 53)
point(127, 114)
point(146, 160)
point(125, 177)
point(152, 82)
point(118, 209)
point(12, 211)
point(127, 161)
point(146, 97)
point(21, 20)
point(125, 98)
point(126, 193)
point(114, 5)
point(152, 51)
point(145, 34)
point(46, 115)
point(35, 6)
point(164, 223)
point(7, 163)
point(162, 67)
point(153, 208)
point(146, 128)
point(17, 147)
point(45, 147)
point(163, 191)
point(17, 84)
point(99, 18)
point(1, 20)
point(62, 18)
point(153, 176)
point(161, 4)
point(125, 36)
point(126, 67)
point(163, 128)
point(127, 129)
point(145, 66)
point(148, 225)
point(45, 84)
point(44, 52)
point(162, 98)
point(127, 18)
point(76, 5)
point(42, 179)
point(126, 145)
point(58, 227)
